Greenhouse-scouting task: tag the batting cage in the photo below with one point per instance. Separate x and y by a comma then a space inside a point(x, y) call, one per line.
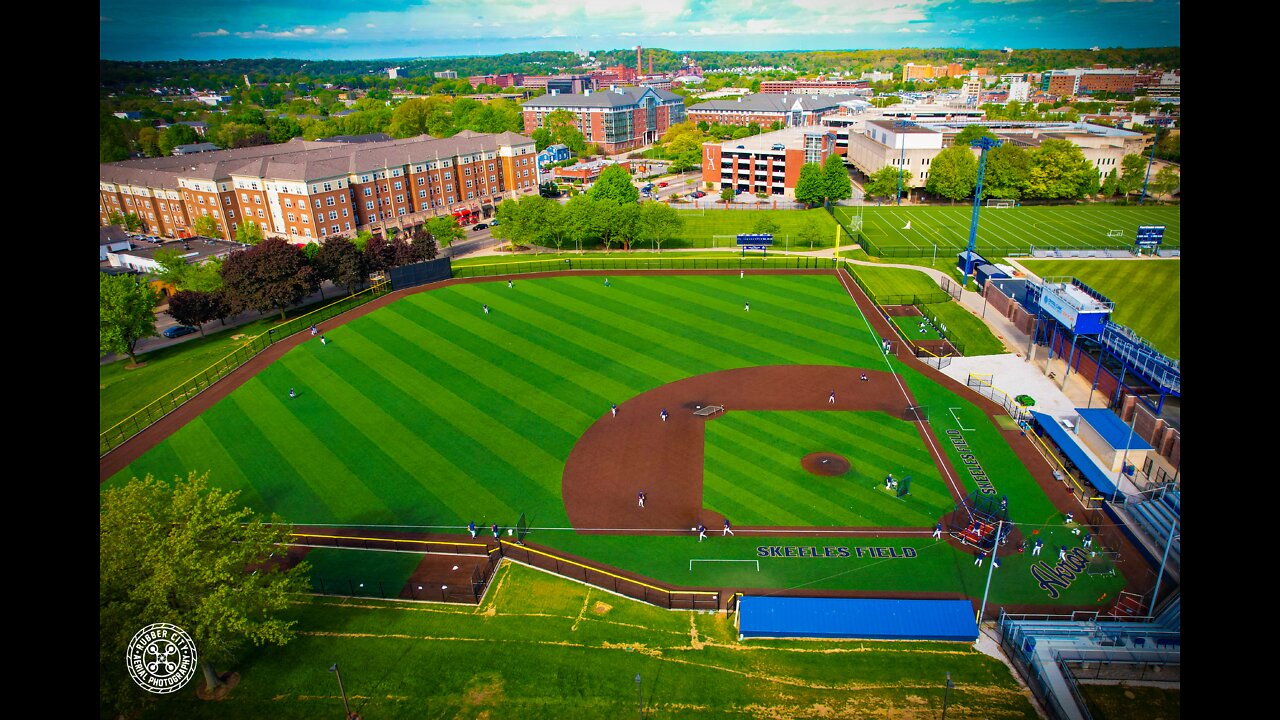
point(976, 520)
point(522, 529)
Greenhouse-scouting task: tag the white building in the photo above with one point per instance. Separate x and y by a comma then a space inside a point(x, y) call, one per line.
point(1019, 90)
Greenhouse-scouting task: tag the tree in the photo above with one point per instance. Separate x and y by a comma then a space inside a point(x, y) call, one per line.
point(811, 185)
point(207, 226)
point(112, 143)
point(176, 135)
point(576, 218)
point(273, 274)
point(727, 195)
point(657, 221)
point(340, 261)
point(379, 254)
point(424, 246)
point(1058, 170)
point(1166, 181)
point(1133, 170)
point(181, 553)
point(626, 224)
point(445, 230)
point(835, 179)
point(173, 267)
point(205, 277)
point(1005, 174)
point(115, 218)
point(249, 233)
point(765, 225)
point(126, 314)
point(885, 182)
point(970, 133)
point(614, 184)
point(1111, 185)
point(549, 189)
point(132, 222)
point(189, 307)
point(541, 139)
point(953, 173)
point(149, 141)
point(811, 232)
point(362, 239)
point(310, 250)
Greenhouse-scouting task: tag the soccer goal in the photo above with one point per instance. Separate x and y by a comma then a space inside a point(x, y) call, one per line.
point(994, 203)
point(1115, 233)
point(855, 223)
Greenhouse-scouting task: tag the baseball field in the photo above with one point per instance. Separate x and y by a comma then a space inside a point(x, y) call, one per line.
point(430, 413)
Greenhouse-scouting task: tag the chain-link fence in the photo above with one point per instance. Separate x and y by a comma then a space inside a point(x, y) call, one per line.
point(633, 263)
point(117, 434)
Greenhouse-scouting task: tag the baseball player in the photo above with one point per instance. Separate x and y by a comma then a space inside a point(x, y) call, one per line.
point(937, 531)
point(472, 528)
point(727, 530)
point(702, 532)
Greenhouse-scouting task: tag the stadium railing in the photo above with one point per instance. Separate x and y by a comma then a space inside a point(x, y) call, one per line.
point(152, 412)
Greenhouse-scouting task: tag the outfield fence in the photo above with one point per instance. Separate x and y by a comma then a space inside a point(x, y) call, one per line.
point(118, 434)
point(630, 587)
point(630, 263)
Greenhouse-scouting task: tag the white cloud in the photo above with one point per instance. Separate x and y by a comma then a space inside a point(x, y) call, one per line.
point(337, 31)
point(297, 32)
point(370, 25)
point(216, 33)
point(1125, 1)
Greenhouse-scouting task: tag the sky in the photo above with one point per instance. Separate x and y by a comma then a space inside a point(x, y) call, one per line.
point(369, 29)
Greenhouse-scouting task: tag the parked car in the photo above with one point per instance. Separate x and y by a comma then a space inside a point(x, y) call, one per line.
point(179, 331)
point(478, 226)
point(697, 194)
point(493, 223)
point(662, 184)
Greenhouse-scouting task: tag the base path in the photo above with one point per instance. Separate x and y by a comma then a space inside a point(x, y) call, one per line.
point(619, 457)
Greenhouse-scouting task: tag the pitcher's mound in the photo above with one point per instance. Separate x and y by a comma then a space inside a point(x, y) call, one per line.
point(825, 464)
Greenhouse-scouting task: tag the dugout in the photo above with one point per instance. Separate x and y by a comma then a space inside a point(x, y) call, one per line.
point(962, 257)
point(1085, 465)
point(986, 272)
point(1103, 432)
point(866, 618)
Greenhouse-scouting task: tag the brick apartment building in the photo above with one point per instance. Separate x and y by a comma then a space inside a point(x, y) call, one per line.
point(617, 119)
point(813, 87)
point(303, 191)
point(1079, 81)
point(764, 110)
point(769, 162)
point(503, 80)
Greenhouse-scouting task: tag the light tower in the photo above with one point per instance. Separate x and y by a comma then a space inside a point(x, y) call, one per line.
point(985, 143)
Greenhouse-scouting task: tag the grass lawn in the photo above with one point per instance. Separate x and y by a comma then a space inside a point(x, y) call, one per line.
point(762, 483)
point(910, 327)
point(964, 327)
point(1011, 231)
point(701, 227)
point(1147, 293)
point(430, 413)
point(361, 572)
point(890, 286)
point(1132, 702)
point(544, 647)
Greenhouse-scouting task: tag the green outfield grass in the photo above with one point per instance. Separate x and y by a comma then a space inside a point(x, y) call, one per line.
point(888, 283)
point(1011, 231)
point(965, 328)
point(361, 572)
point(909, 325)
point(762, 483)
point(1147, 293)
point(702, 226)
point(430, 413)
point(544, 647)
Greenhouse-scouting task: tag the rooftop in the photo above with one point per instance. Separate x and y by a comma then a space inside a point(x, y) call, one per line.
point(791, 138)
point(777, 103)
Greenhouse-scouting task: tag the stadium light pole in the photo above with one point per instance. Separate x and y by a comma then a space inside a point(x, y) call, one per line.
point(995, 548)
point(345, 706)
point(984, 143)
point(1151, 161)
point(945, 693)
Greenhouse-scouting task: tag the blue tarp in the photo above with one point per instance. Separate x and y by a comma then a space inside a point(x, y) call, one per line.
point(1112, 429)
point(1075, 454)
point(857, 618)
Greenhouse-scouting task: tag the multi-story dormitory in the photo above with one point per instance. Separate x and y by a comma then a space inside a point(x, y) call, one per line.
point(308, 190)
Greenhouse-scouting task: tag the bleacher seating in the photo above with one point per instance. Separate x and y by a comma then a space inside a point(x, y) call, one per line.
point(1156, 517)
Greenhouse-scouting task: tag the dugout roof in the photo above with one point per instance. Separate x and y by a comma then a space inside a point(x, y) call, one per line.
point(1076, 454)
point(1112, 429)
point(857, 618)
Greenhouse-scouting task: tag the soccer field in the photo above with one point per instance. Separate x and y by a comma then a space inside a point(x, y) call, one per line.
point(1011, 231)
